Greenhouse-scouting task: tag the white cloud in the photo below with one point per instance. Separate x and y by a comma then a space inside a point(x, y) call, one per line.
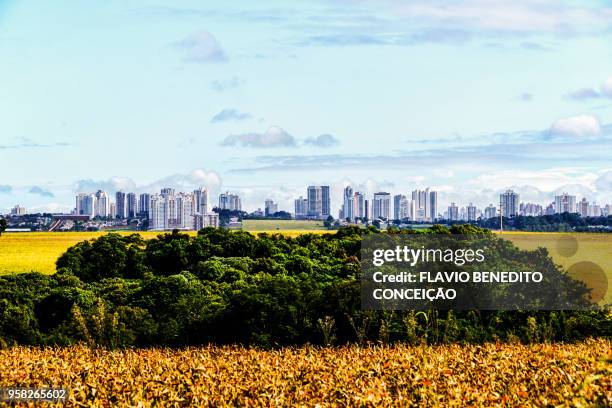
point(510, 16)
point(202, 47)
point(577, 126)
point(325, 140)
point(606, 88)
point(273, 137)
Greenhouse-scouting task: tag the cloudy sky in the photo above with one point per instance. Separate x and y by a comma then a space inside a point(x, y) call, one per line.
point(262, 98)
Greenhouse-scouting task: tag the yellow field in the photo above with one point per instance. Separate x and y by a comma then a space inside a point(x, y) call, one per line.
point(38, 251)
point(441, 376)
point(283, 225)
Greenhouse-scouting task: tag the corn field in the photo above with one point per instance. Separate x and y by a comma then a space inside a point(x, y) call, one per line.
point(454, 375)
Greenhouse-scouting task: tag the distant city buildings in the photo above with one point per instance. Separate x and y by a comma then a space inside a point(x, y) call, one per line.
point(18, 210)
point(565, 203)
point(300, 206)
point(381, 206)
point(318, 202)
point(425, 205)
point(509, 202)
point(120, 205)
point(490, 211)
point(230, 202)
point(270, 208)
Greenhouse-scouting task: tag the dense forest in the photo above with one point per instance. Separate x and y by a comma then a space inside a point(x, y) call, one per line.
point(233, 287)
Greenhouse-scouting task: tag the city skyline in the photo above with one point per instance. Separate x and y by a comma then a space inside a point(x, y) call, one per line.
point(255, 98)
point(169, 206)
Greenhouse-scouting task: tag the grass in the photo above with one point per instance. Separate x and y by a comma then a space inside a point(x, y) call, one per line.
point(282, 225)
point(399, 375)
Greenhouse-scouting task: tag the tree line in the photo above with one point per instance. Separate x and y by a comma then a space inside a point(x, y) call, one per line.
point(233, 287)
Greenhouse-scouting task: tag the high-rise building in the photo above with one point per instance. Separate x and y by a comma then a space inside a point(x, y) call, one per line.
point(101, 204)
point(270, 208)
point(530, 209)
point(318, 202)
point(301, 208)
point(121, 204)
point(200, 200)
point(367, 210)
point(112, 213)
point(471, 212)
point(509, 203)
point(453, 212)
point(565, 203)
point(348, 205)
point(170, 211)
point(18, 210)
point(583, 207)
point(490, 211)
point(144, 201)
point(358, 205)
point(425, 205)
point(381, 205)
point(230, 202)
point(397, 206)
point(132, 205)
point(167, 192)
point(86, 204)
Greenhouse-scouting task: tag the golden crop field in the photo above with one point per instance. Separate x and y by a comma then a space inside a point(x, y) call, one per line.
point(442, 376)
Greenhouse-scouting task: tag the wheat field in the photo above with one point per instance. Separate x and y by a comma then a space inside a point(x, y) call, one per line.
point(439, 376)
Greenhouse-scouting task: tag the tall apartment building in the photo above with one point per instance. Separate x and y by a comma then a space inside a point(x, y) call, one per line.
point(201, 200)
point(319, 205)
point(348, 204)
point(18, 210)
point(301, 208)
point(86, 204)
point(583, 207)
point(358, 205)
point(270, 208)
point(120, 204)
point(453, 212)
point(170, 211)
point(530, 209)
point(131, 205)
point(397, 206)
point(509, 203)
point(101, 204)
point(425, 205)
point(229, 201)
point(490, 211)
point(381, 205)
point(565, 203)
point(144, 201)
point(471, 212)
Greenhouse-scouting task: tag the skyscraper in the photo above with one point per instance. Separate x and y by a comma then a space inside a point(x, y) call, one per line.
point(348, 206)
point(120, 205)
point(425, 205)
point(200, 197)
point(101, 204)
point(318, 202)
point(143, 205)
point(490, 211)
point(86, 204)
point(471, 212)
point(381, 205)
point(230, 202)
point(509, 203)
point(270, 208)
point(131, 204)
point(565, 203)
point(453, 212)
point(359, 205)
point(401, 207)
point(301, 208)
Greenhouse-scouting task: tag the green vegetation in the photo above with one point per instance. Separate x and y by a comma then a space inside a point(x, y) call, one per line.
point(233, 287)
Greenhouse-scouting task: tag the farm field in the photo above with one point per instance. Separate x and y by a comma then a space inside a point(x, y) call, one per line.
point(283, 225)
point(454, 375)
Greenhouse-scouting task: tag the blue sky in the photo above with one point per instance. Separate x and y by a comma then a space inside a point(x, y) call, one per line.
point(263, 98)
